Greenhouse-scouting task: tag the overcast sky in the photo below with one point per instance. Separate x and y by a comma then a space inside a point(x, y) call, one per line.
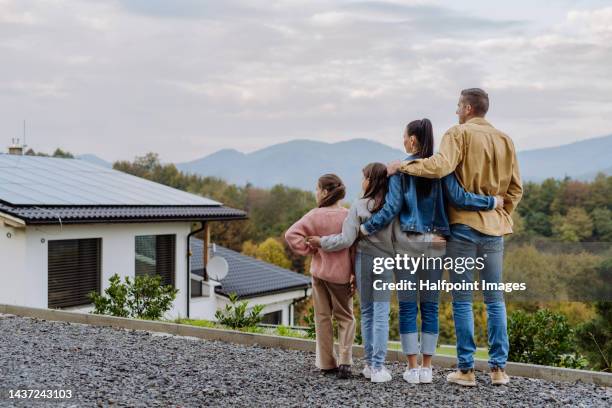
point(185, 78)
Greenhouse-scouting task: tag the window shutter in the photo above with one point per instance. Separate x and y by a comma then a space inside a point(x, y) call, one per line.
point(74, 271)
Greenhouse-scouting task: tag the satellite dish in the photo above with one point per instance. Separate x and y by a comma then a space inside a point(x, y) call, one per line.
point(217, 268)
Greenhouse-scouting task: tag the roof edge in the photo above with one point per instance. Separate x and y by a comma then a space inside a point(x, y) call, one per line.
point(130, 220)
point(12, 221)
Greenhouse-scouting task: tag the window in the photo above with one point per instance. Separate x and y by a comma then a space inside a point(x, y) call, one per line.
point(196, 288)
point(155, 255)
point(273, 317)
point(74, 271)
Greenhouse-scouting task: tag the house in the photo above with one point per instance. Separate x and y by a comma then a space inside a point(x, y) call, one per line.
point(67, 226)
point(257, 281)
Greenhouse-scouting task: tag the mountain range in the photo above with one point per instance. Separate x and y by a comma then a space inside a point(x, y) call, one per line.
point(299, 163)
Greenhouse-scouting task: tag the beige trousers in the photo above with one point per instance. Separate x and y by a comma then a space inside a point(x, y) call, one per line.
point(333, 299)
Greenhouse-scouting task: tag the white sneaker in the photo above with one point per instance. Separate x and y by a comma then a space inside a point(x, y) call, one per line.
point(380, 375)
point(425, 375)
point(411, 375)
point(367, 372)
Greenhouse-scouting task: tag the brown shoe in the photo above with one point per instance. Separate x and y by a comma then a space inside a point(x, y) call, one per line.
point(467, 378)
point(499, 376)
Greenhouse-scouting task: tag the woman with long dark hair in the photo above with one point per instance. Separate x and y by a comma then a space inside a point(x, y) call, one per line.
point(419, 205)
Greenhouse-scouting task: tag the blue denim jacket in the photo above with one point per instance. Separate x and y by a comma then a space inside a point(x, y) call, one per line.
point(424, 213)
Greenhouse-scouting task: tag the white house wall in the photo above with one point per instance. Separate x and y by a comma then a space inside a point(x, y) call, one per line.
point(12, 265)
point(24, 265)
point(204, 307)
point(30, 268)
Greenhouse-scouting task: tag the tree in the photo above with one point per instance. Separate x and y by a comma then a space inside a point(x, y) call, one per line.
point(600, 195)
point(518, 227)
point(231, 234)
point(602, 221)
point(272, 251)
point(249, 248)
point(573, 227)
point(595, 337)
point(571, 194)
point(62, 154)
point(539, 223)
point(535, 207)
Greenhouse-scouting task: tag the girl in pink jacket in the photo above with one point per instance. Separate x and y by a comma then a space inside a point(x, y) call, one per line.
point(332, 276)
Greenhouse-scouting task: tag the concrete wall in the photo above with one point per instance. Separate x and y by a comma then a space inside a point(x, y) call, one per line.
point(24, 258)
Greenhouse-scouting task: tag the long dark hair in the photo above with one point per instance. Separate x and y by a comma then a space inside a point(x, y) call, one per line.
point(376, 174)
point(423, 131)
point(334, 187)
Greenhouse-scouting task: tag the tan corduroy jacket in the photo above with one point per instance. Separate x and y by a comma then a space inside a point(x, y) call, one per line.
point(484, 160)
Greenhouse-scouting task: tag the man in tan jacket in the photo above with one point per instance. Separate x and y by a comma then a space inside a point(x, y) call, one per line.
point(484, 161)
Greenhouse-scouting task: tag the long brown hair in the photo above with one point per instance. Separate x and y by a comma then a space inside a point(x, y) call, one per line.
point(334, 187)
point(376, 174)
point(423, 131)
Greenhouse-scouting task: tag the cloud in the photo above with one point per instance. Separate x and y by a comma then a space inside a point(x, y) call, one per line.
point(186, 78)
point(191, 9)
point(598, 21)
point(34, 89)
point(10, 13)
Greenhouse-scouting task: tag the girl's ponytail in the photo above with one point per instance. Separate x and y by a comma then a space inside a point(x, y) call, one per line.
point(334, 187)
point(423, 131)
point(427, 139)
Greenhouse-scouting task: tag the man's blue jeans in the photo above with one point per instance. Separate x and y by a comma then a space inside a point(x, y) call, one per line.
point(466, 242)
point(374, 311)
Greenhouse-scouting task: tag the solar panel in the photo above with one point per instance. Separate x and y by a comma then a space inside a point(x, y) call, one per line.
point(32, 180)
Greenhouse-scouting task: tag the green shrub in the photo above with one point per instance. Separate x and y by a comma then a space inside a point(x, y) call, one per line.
point(595, 337)
point(143, 298)
point(544, 338)
point(235, 314)
point(286, 331)
point(197, 322)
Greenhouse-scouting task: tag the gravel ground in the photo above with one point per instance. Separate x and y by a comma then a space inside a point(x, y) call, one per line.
point(115, 367)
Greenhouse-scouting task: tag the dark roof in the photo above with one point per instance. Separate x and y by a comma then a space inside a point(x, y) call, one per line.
point(249, 277)
point(119, 214)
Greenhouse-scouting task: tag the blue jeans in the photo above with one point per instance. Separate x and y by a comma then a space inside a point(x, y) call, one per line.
point(374, 312)
point(467, 242)
point(408, 310)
